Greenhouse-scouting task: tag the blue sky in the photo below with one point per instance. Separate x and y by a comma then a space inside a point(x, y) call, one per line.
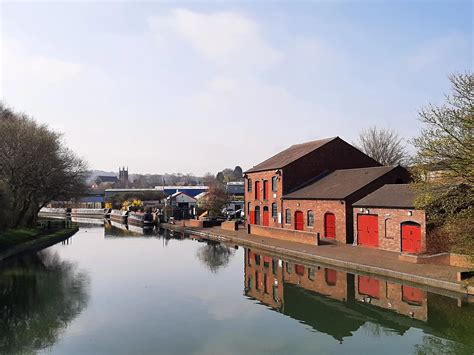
point(199, 86)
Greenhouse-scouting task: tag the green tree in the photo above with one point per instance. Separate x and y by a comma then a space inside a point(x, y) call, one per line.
point(447, 141)
point(215, 200)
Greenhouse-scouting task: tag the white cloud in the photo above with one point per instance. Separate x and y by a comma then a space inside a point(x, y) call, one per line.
point(224, 38)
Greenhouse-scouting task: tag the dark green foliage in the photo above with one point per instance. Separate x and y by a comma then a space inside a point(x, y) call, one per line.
point(41, 295)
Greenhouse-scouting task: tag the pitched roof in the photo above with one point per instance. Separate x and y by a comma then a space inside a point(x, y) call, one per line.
point(339, 184)
point(390, 195)
point(289, 155)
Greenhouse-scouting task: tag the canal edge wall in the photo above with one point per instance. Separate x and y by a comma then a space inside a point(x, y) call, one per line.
point(345, 265)
point(35, 245)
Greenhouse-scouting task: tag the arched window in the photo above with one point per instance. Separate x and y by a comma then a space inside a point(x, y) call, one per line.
point(310, 218)
point(249, 185)
point(274, 210)
point(274, 183)
point(288, 216)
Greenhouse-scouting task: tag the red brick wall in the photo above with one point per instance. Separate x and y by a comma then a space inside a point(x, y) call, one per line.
point(273, 196)
point(285, 234)
point(256, 288)
point(337, 291)
point(390, 221)
point(319, 207)
point(229, 225)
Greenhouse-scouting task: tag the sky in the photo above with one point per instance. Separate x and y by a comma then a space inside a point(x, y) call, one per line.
point(195, 87)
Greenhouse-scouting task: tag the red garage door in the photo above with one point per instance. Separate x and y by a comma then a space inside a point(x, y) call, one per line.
point(299, 223)
point(329, 225)
point(369, 286)
point(368, 230)
point(411, 237)
point(412, 295)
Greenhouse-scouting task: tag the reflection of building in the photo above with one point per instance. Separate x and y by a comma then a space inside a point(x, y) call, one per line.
point(331, 301)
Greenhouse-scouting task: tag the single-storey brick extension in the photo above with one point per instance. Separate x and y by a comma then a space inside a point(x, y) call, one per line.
point(387, 219)
point(308, 191)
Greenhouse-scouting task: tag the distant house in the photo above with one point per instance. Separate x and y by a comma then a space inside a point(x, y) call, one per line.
point(236, 191)
point(180, 205)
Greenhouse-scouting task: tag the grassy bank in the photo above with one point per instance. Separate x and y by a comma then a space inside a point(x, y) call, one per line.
point(19, 241)
point(13, 237)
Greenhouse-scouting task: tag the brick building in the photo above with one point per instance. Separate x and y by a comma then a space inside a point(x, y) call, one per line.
point(306, 191)
point(387, 219)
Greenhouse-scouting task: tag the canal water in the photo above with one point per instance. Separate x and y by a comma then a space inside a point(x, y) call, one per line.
point(109, 290)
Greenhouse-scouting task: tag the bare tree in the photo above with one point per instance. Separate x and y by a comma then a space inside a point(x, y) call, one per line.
point(383, 145)
point(35, 166)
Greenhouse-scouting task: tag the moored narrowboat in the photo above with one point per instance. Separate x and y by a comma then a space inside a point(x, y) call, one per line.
point(119, 216)
point(141, 219)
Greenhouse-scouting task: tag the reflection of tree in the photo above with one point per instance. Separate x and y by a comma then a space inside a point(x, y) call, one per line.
point(40, 295)
point(215, 255)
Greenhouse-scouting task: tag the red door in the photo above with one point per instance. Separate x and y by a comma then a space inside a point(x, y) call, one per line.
point(252, 217)
point(257, 190)
point(331, 276)
point(369, 286)
point(265, 189)
point(329, 225)
point(412, 295)
point(299, 223)
point(266, 217)
point(411, 237)
point(368, 230)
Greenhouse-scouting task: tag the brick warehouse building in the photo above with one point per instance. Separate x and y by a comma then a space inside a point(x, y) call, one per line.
point(308, 190)
point(387, 219)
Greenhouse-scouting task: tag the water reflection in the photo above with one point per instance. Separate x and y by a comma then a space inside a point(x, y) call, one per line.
point(215, 255)
point(338, 303)
point(39, 296)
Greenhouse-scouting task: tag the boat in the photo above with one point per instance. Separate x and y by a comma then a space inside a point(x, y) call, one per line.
point(141, 219)
point(119, 216)
point(88, 212)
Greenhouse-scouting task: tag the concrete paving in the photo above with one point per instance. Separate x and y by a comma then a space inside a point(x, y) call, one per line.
point(346, 256)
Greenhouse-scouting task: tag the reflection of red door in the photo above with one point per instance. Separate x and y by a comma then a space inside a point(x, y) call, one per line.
point(369, 286)
point(367, 230)
point(257, 190)
point(329, 225)
point(411, 237)
point(266, 217)
point(299, 223)
point(412, 295)
point(330, 276)
point(299, 269)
